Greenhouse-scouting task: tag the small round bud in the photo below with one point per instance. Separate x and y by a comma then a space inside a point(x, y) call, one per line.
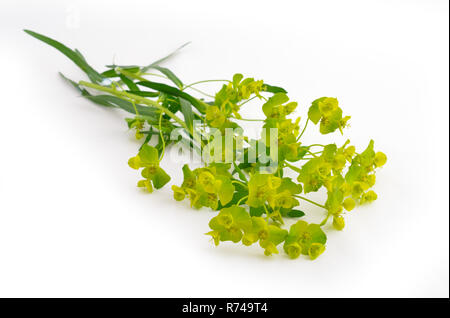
point(349, 204)
point(315, 250)
point(338, 222)
point(293, 250)
point(380, 159)
point(178, 193)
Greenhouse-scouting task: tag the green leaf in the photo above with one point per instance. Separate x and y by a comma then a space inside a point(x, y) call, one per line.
point(295, 213)
point(314, 114)
point(109, 73)
point(329, 152)
point(226, 190)
point(170, 90)
point(240, 173)
point(237, 78)
point(257, 211)
point(170, 75)
point(152, 65)
point(277, 99)
point(75, 56)
point(318, 236)
point(288, 184)
point(132, 86)
point(276, 235)
point(78, 87)
point(332, 122)
point(240, 217)
point(143, 93)
point(148, 154)
point(273, 89)
point(160, 178)
point(125, 105)
point(186, 109)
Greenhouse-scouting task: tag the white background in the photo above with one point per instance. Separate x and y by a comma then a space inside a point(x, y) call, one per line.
point(72, 222)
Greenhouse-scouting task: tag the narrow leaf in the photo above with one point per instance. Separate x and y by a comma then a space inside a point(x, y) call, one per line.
point(146, 68)
point(75, 56)
point(186, 109)
point(170, 75)
point(170, 90)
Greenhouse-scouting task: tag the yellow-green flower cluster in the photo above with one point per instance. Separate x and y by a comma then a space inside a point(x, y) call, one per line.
point(276, 109)
point(153, 174)
point(228, 98)
point(342, 192)
point(206, 186)
point(327, 111)
point(236, 225)
point(304, 238)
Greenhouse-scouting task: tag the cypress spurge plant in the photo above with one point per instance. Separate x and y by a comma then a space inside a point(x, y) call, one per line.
point(254, 198)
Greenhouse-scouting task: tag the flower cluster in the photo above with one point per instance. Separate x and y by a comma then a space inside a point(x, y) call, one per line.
point(235, 224)
point(153, 174)
point(206, 186)
point(327, 111)
point(343, 190)
point(228, 98)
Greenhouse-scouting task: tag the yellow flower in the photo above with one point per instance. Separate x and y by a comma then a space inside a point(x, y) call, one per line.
point(338, 222)
point(328, 105)
point(349, 204)
point(380, 159)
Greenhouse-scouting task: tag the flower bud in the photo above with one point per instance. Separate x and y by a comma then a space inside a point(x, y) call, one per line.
point(338, 222)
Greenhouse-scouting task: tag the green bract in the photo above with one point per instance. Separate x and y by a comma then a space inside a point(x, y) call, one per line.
point(246, 182)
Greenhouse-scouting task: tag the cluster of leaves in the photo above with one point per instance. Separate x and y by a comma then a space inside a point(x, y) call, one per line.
point(254, 198)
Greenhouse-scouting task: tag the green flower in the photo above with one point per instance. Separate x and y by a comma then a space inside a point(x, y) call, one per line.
point(369, 197)
point(338, 222)
point(380, 159)
point(349, 204)
point(230, 224)
point(206, 186)
point(154, 175)
point(327, 111)
point(239, 89)
point(178, 193)
point(315, 250)
point(303, 236)
point(215, 117)
point(269, 236)
point(277, 107)
point(261, 188)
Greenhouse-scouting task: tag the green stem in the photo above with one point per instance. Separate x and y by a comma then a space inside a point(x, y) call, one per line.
point(239, 182)
point(130, 74)
point(205, 81)
point(240, 105)
point(310, 201)
point(303, 131)
point(201, 92)
point(267, 213)
point(324, 220)
point(318, 145)
point(243, 198)
point(153, 74)
point(292, 167)
point(162, 138)
point(311, 153)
